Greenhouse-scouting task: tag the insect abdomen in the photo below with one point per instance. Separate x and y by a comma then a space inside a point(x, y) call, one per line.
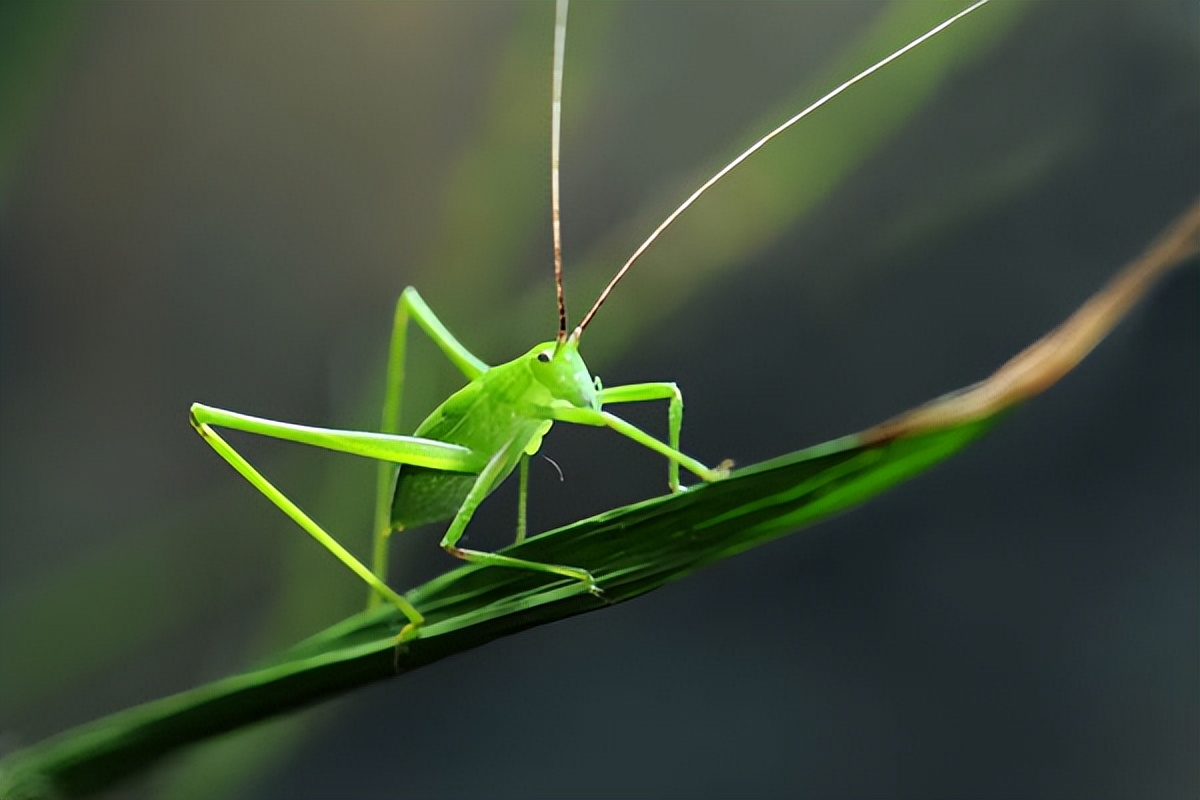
point(427, 495)
point(486, 416)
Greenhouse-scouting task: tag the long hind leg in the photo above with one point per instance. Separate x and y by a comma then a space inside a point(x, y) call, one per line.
point(409, 305)
point(387, 447)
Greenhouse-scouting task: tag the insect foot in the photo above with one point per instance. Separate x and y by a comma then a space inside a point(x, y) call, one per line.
point(594, 589)
point(407, 634)
point(716, 473)
point(588, 581)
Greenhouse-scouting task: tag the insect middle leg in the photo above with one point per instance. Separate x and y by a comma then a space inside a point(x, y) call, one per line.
point(495, 469)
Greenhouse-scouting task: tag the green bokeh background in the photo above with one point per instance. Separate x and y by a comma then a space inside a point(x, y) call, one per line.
point(220, 202)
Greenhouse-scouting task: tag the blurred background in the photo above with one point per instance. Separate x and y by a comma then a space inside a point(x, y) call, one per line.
point(221, 202)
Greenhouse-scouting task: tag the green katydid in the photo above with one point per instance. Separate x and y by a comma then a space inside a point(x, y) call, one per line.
point(483, 432)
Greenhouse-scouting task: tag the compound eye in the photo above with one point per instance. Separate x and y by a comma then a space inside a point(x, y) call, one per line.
point(544, 356)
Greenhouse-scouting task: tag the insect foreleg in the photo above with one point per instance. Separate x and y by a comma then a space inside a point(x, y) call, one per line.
point(409, 305)
point(482, 486)
point(603, 419)
point(665, 390)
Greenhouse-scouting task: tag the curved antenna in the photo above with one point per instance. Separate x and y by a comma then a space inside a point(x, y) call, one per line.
point(755, 148)
point(560, 46)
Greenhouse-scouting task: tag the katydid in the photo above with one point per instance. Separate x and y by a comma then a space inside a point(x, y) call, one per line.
point(483, 432)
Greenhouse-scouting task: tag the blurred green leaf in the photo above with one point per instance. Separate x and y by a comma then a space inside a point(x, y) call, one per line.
point(34, 41)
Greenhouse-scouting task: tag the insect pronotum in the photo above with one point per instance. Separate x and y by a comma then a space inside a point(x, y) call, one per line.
point(483, 432)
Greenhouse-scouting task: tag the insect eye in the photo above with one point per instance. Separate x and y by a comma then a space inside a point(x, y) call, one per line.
point(544, 356)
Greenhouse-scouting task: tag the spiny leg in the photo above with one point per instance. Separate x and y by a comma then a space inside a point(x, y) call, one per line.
point(603, 419)
point(405, 449)
point(408, 305)
point(483, 484)
point(665, 390)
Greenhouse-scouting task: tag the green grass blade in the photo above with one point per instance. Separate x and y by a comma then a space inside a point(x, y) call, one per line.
point(631, 550)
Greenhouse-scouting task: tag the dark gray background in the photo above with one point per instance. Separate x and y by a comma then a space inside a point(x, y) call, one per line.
point(220, 203)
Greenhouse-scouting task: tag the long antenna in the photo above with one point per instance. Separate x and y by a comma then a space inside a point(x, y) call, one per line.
point(755, 148)
point(560, 45)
